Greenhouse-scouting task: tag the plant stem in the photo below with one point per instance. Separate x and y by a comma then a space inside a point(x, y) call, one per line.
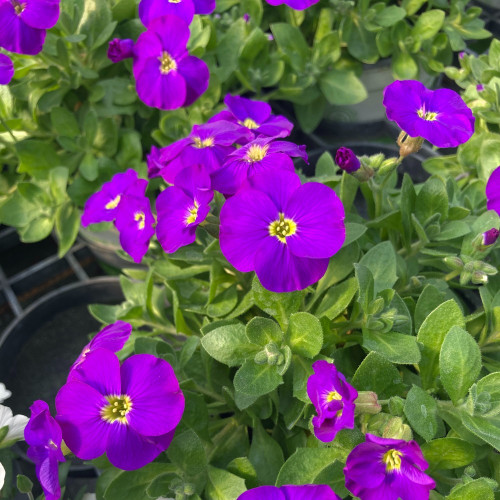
point(209, 393)
point(451, 275)
point(8, 129)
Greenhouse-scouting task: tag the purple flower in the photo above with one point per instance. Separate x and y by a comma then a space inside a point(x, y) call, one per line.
point(333, 398)
point(260, 155)
point(182, 207)
point(6, 69)
point(103, 205)
point(440, 116)
point(347, 160)
point(153, 161)
point(24, 24)
point(204, 6)
point(129, 412)
point(291, 492)
point(493, 191)
point(387, 468)
point(149, 10)
point(207, 145)
point(479, 87)
point(44, 436)
point(491, 236)
point(135, 221)
point(111, 337)
point(167, 77)
point(246, 17)
point(119, 49)
point(255, 116)
point(461, 55)
point(284, 231)
point(294, 4)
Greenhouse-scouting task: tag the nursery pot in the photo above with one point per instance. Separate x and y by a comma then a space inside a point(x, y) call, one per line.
point(39, 347)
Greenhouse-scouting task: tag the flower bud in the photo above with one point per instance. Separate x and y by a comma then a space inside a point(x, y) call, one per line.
point(246, 17)
point(396, 406)
point(479, 87)
point(479, 278)
point(453, 262)
point(396, 429)
point(490, 237)
point(347, 160)
point(270, 355)
point(408, 145)
point(119, 49)
point(367, 402)
point(387, 166)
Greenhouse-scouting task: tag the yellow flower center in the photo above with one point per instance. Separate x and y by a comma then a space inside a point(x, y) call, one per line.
point(117, 409)
point(140, 218)
point(282, 228)
point(256, 153)
point(18, 7)
point(333, 396)
point(429, 116)
point(205, 143)
point(167, 63)
point(249, 123)
point(392, 459)
point(192, 213)
point(113, 203)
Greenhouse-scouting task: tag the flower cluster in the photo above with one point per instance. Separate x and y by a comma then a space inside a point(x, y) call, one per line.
point(24, 27)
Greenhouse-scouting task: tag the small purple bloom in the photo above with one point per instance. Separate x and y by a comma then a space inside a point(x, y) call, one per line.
point(270, 37)
point(246, 17)
point(135, 221)
point(103, 205)
point(493, 191)
point(182, 207)
point(111, 337)
point(491, 236)
point(149, 10)
point(260, 155)
point(440, 116)
point(153, 161)
point(294, 4)
point(6, 69)
point(255, 116)
point(129, 412)
point(120, 49)
point(24, 24)
point(207, 145)
point(284, 231)
point(333, 398)
point(461, 55)
point(347, 160)
point(387, 468)
point(167, 77)
point(44, 436)
point(479, 87)
point(291, 492)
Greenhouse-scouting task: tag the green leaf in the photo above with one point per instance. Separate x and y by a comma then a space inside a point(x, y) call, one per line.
point(396, 347)
point(305, 464)
point(305, 335)
point(64, 122)
point(426, 303)
point(479, 489)
point(17, 211)
point(36, 157)
point(453, 229)
point(390, 15)
point(353, 232)
point(381, 261)
point(432, 334)
point(421, 411)
point(325, 166)
point(448, 453)
point(365, 286)
point(404, 66)
point(256, 380)
point(337, 299)
point(186, 451)
point(67, 226)
point(89, 167)
point(361, 44)
point(223, 485)
point(342, 87)
point(412, 6)
point(261, 331)
point(131, 485)
point(228, 343)
point(58, 181)
point(302, 370)
point(459, 363)
point(24, 484)
point(34, 194)
point(310, 115)
point(223, 303)
point(428, 24)
point(265, 455)
point(432, 199)
point(379, 375)
point(292, 43)
point(37, 229)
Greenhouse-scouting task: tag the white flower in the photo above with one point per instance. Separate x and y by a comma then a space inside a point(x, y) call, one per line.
point(2, 476)
point(16, 425)
point(4, 393)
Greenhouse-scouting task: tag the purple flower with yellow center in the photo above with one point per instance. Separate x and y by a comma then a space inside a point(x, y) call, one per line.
point(255, 116)
point(182, 207)
point(135, 221)
point(291, 492)
point(167, 77)
point(44, 437)
point(440, 116)
point(333, 398)
point(347, 160)
point(24, 24)
point(103, 205)
point(260, 155)
point(491, 236)
point(207, 145)
point(493, 191)
point(111, 337)
point(120, 49)
point(6, 69)
point(284, 231)
point(294, 4)
point(129, 412)
point(391, 469)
